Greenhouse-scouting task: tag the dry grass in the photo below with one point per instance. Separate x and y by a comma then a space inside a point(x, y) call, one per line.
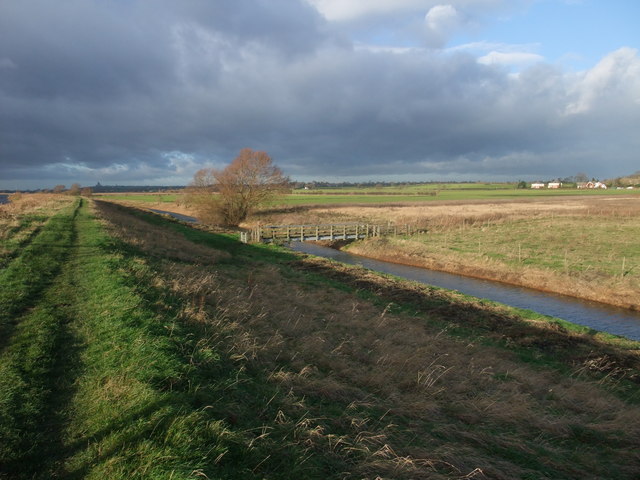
point(462, 400)
point(443, 215)
point(178, 206)
point(385, 394)
point(22, 218)
point(30, 203)
point(152, 239)
point(328, 346)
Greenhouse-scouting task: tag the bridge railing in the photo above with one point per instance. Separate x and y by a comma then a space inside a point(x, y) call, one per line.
point(344, 231)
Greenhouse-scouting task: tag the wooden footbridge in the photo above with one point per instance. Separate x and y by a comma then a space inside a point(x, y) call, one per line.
point(316, 233)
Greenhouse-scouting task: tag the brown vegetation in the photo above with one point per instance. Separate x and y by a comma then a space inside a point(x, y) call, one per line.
point(229, 196)
point(387, 394)
point(153, 239)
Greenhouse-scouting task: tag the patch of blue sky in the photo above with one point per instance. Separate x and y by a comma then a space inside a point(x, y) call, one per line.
point(575, 34)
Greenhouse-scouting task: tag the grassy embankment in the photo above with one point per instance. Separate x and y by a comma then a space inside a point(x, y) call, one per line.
point(148, 349)
point(585, 250)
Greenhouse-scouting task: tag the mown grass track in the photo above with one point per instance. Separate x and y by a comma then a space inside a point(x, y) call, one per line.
point(17, 237)
point(34, 268)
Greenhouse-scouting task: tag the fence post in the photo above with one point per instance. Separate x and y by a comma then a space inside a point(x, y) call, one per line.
point(317, 233)
point(331, 232)
point(302, 233)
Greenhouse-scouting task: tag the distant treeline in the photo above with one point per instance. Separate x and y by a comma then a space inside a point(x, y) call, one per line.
point(321, 185)
point(370, 192)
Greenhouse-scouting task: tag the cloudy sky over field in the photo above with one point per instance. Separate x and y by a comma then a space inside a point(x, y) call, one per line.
point(147, 92)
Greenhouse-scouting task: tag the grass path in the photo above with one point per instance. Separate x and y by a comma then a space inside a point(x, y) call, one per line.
point(102, 377)
point(35, 365)
point(33, 269)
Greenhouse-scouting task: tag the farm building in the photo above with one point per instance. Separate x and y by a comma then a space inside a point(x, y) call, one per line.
point(537, 185)
point(592, 185)
point(554, 185)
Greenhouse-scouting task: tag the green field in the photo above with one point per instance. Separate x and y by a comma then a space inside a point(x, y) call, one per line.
point(448, 194)
point(136, 347)
point(408, 194)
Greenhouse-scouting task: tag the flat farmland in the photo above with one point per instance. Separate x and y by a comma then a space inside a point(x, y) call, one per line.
point(585, 247)
point(422, 193)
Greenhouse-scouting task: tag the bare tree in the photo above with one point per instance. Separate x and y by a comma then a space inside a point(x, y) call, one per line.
point(230, 195)
point(581, 177)
point(74, 189)
point(59, 189)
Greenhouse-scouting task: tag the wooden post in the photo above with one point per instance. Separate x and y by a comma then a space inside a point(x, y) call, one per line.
point(302, 233)
point(367, 234)
point(357, 232)
point(344, 232)
point(317, 233)
point(331, 232)
point(288, 233)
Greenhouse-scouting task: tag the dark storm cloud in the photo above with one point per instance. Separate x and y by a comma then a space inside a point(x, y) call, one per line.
point(125, 91)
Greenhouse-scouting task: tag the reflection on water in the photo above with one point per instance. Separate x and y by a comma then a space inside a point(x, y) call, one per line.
point(618, 321)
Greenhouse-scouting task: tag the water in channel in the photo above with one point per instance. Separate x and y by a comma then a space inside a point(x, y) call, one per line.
point(179, 216)
point(619, 321)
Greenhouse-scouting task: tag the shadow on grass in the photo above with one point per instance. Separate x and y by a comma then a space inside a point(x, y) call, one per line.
point(549, 344)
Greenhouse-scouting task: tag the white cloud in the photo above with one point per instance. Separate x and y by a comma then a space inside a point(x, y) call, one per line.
point(349, 10)
point(441, 21)
point(442, 18)
point(510, 58)
point(493, 53)
point(345, 10)
point(615, 79)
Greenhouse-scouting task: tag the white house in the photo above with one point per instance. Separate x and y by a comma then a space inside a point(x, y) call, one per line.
point(537, 185)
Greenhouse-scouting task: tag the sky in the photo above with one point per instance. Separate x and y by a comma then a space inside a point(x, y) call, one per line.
point(142, 92)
